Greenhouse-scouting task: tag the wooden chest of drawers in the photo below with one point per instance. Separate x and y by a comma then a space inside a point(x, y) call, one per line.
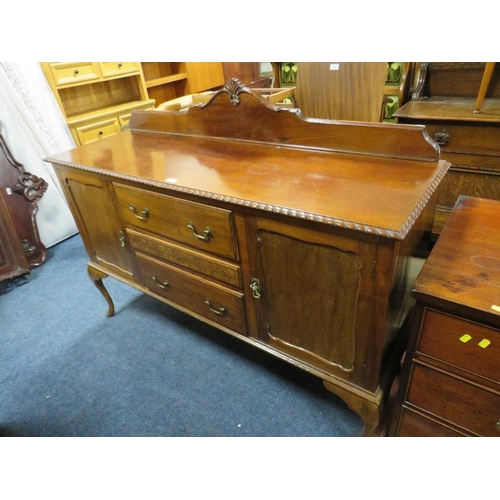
point(266, 226)
point(444, 101)
point(452, 370)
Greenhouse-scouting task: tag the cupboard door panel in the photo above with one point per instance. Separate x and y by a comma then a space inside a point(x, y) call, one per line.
point(312, 286)
point(99, 224)
point(316, 298)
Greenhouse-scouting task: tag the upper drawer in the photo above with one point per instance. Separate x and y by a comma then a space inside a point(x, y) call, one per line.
point(200, 226)
point(474, 139)
point(462, 343)
point(459, 402)
point(109, 69)
point(97, 130)
point(65, 73)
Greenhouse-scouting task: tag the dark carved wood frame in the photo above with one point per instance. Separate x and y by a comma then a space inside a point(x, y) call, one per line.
point(21, 191)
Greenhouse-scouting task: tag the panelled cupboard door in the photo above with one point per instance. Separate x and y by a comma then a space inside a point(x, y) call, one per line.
point(97, 221)
point(313, 295)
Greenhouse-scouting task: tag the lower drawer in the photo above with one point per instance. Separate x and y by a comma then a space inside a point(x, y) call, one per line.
point(414, 424)
point(456, 401)
point(201, 297)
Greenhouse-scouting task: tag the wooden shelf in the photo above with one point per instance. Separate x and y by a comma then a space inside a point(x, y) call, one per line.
point(110, 111)
point(166, 80)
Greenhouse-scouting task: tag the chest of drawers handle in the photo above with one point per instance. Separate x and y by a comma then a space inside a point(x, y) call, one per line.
point(222, 311)
point(144, 215)
point(164, 285)
point(498, 425)
point(207, 234)
point(442, 137)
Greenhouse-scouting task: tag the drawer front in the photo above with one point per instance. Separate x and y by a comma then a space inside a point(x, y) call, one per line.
point(478, 139)
point(98, 130)
point(192, 260)
point(414, 424)
point(462, 343)
point(200, 226)
point(466, 405)
point(469, 183)
point(125, 119)
point(74, 72)
point(199, 296)
point(110, 69)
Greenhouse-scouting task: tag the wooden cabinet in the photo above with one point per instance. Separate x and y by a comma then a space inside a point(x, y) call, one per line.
point(20, 244)
point(244, 217)
point(97, 98)
point(13, 261)
point(451, 380)
point(444, 100)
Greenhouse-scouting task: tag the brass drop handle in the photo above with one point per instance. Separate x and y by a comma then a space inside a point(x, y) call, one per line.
point(222, 311)
point(164, 285)
point(120, 65)
point(144, 215)
point(76, 71)
point(207, 234)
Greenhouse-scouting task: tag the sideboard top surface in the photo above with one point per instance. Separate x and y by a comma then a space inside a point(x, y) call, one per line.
point(373, 193)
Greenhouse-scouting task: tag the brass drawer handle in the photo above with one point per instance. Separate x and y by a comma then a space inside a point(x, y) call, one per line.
point(164, 285)
point(144, 215)
point(76, 71)
point(207, 234)
point(222, 311)
point(498, 425)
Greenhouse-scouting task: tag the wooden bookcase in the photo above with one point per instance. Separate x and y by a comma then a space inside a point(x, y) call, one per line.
point(165, 81)
point(97, 98)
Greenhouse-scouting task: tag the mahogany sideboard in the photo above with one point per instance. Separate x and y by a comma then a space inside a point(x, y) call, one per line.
point(289, 233)
point(450, 384)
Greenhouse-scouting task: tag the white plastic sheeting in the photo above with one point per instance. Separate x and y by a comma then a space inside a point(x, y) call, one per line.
point(34, 128)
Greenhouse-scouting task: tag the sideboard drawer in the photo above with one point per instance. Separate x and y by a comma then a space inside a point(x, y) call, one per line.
point(462, 343)
point(200, 296)
point(192, 260)
point(207, 228)
point(455, 400)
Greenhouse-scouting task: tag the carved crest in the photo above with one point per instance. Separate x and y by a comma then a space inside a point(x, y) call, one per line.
point(235, 88)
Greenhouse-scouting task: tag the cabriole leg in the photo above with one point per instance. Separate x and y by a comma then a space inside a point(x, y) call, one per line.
point(96, 277)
